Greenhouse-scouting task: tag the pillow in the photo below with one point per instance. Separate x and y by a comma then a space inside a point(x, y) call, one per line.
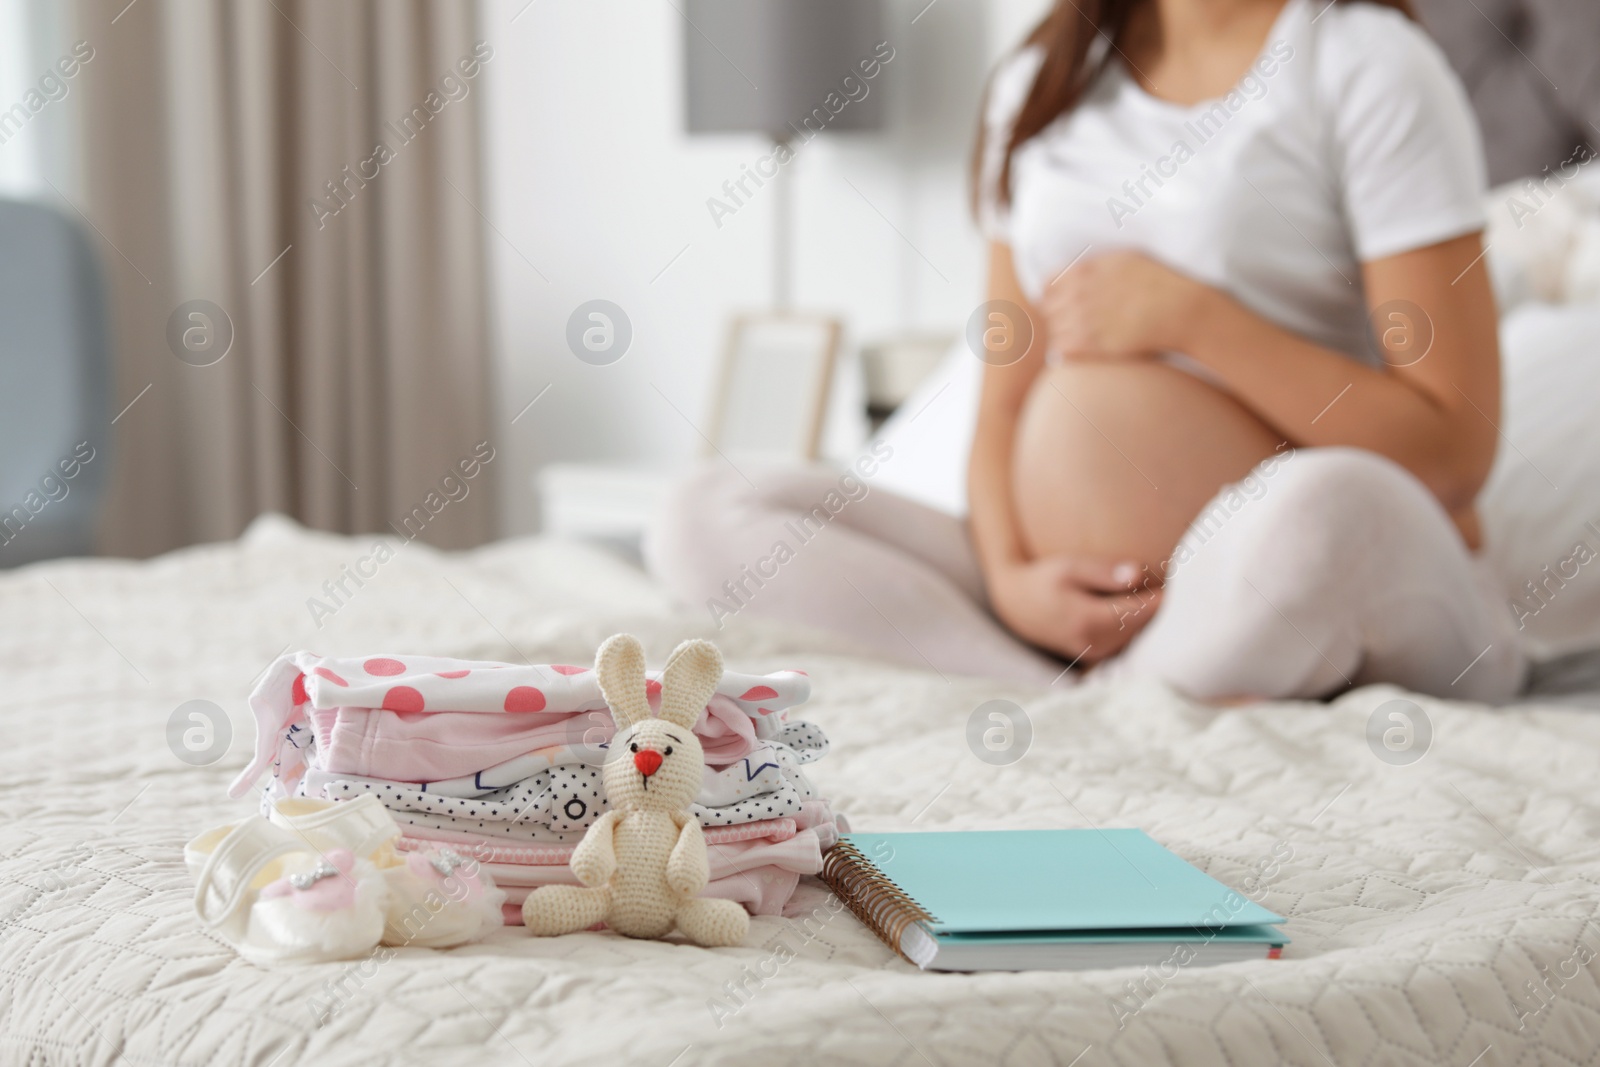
point(1544, 236)
point(930, 435)
point(1541, 505)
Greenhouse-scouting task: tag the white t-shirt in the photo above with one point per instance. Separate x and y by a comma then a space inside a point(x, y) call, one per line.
point(1349, 140)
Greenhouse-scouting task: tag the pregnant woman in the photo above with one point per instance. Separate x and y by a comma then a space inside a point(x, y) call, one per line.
point(1241, 382)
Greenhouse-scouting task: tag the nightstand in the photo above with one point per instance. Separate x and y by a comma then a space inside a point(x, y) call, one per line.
point(611, 503)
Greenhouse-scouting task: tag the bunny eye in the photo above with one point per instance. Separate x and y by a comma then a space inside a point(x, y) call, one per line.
point(668, 751)
point(634, 747)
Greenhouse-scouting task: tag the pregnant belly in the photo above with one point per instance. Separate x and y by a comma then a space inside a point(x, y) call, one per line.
point(1115, 460)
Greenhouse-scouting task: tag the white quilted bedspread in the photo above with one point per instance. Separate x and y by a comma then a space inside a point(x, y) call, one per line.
point(1442, 912)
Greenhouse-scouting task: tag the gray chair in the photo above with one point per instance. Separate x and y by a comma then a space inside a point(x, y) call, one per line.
point(55, 426)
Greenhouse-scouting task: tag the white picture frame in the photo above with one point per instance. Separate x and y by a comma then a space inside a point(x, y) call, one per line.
point(772, 388)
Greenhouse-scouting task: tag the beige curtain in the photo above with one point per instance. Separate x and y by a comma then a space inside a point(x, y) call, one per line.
point(310, 167)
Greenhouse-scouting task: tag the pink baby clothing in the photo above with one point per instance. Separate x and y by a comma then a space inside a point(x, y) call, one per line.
point(818, 816)
point(571, 796)
point(502, 762)
point(429, 746)
point(762, 891)
point(487, 851)
point(795, 742)
point(801, 854)
point(763, 771)
point(378, 716)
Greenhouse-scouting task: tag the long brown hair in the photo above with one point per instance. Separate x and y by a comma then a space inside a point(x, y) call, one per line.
point(1066, 35)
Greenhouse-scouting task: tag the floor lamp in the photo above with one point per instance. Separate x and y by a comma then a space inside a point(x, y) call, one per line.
point(779, 67)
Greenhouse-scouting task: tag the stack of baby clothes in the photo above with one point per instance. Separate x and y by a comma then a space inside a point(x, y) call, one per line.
point(503, 762)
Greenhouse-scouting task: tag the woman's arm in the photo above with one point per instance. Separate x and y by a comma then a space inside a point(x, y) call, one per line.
point(1077, 608)
point(993, 516)
point(1433, 415)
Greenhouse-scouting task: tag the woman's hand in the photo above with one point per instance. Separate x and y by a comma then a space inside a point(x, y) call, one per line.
point(1082, 610)
point(1118, 306)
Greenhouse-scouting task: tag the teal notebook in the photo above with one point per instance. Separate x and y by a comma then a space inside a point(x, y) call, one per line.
point(1025, 899)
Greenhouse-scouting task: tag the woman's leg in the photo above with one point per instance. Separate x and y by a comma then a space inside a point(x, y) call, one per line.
point(812, 546)
point(1326, 568)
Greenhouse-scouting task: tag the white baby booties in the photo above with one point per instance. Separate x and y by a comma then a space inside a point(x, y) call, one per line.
point(643, 863)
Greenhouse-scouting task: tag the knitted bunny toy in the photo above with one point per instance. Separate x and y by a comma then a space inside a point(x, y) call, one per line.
point(643, 862)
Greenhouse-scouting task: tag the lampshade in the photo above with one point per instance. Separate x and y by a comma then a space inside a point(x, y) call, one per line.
point(783, 67)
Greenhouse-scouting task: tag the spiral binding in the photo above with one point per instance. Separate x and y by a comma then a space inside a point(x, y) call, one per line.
point(884, 907)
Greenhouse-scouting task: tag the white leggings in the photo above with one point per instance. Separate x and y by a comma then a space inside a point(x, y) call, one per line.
point(1323, 569)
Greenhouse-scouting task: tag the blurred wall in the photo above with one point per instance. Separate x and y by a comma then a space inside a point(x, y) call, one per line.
point(594, 191)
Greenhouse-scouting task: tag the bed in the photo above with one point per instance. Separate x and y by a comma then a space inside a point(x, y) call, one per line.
point(1441, 891)
point(1442, 910)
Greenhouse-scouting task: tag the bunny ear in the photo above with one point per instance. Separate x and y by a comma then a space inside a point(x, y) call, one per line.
point(688, 681)
point(619, 665)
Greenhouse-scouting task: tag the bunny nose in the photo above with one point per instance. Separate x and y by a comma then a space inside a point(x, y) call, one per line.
point(648, 760)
